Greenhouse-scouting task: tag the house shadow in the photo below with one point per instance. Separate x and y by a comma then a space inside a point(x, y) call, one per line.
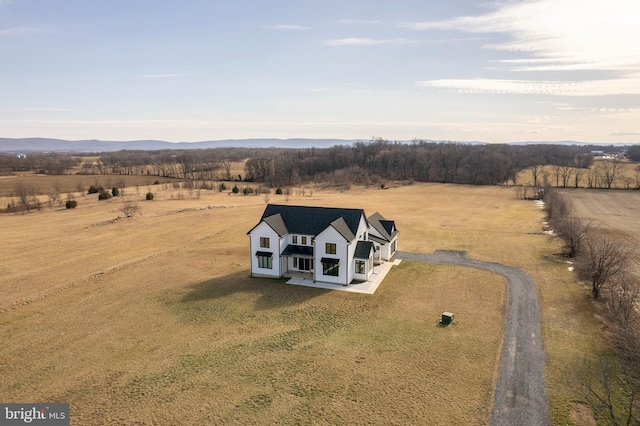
point(272, 293)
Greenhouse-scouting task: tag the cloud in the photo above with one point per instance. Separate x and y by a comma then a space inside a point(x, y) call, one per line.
point(359, 21)
point(37, 109)
point(162, 75)
point(629, 85)
point(20, 31)
point(363, 41)
point(287, 27)
point(625, 134)
point(559, 34)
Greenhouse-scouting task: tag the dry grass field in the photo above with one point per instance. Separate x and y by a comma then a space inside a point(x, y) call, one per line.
point(153, 319)
point(627, 178)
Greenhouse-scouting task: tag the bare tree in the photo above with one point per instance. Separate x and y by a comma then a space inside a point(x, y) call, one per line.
point(608, 388)
point(226, 165)
point(23, 194)
point(536, 170)
point(572, 231)
point(130, 209)
point(557, 172)
point(600, 259)
point(609, 172)
point(565, 173)
point(625, 294)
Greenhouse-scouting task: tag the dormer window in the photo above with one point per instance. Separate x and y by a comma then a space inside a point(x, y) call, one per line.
point(304, 241)
point(294, 239)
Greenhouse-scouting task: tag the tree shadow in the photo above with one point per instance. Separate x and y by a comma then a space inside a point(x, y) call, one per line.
point(272, 293)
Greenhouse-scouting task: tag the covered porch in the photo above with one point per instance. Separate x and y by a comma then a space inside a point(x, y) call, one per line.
point(365, 287)
point(298, 262)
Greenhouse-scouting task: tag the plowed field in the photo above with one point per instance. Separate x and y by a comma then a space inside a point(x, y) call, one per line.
point(615, 211)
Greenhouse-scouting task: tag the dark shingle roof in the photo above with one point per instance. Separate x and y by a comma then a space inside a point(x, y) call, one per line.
point(295, 250)
point(386, 228)
point(313, 220)
point(363, 250)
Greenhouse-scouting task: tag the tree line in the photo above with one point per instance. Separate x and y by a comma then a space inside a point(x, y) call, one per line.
point(364, 162)
point(610, 385)
point(424, 161)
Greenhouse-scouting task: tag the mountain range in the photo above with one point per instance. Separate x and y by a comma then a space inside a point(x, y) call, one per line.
point(27, 145)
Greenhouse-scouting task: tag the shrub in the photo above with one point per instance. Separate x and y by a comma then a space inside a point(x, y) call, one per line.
point(115, 191)
point(278, 191)
point(149, 195)
point(247, 190)
point(93, 190)
point(222, 187)
point(104, 195)
point(71, 204)
point(235, 189)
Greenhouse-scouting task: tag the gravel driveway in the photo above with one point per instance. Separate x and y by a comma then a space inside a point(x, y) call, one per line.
point(520, 397)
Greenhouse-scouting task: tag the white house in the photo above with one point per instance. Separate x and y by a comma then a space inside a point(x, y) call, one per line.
point(328, 244)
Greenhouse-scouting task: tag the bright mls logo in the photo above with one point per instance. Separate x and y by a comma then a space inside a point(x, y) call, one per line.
point(37, 414)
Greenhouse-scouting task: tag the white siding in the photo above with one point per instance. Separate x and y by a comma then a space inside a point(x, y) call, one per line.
point(275, 247)
point(330, 235)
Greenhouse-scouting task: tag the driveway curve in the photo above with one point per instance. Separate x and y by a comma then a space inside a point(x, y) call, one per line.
point(520, 396)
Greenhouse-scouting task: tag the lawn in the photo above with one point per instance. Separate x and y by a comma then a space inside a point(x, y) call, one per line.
point(154, 320)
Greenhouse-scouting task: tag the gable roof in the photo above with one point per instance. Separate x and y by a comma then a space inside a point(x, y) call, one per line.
point(275, 222)
point(386, 228)
point(343, 229)
point(313, 220)
point(363, 250)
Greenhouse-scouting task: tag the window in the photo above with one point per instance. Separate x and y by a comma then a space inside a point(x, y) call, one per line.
point(265, 262)
point(295, 262)
point(330, 267)
point(304, 241)
point(330, 248)
point(264, 242)
point(360, 266)
point(294, 239)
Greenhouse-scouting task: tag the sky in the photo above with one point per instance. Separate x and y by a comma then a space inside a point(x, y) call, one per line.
point(195, 70)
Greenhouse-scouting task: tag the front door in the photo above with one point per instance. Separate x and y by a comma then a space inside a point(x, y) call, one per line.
point(305, 264)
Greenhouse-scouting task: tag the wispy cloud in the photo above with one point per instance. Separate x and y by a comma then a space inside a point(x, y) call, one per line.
point(553, 36)
point(287, 27)
point(625, 134)
point(364, 41)
point(560, 34)
point(628, 85)
point(37, 109)
point(359, 21)
point(20, 31)
point(176, 75)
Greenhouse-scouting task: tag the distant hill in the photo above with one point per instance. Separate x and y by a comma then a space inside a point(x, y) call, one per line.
point(27, 145)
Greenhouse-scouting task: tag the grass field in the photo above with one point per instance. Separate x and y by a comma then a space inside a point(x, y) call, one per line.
point(626, 178)
point(153, 320)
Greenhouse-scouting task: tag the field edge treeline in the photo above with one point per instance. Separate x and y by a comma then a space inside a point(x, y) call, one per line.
point(370, 162)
